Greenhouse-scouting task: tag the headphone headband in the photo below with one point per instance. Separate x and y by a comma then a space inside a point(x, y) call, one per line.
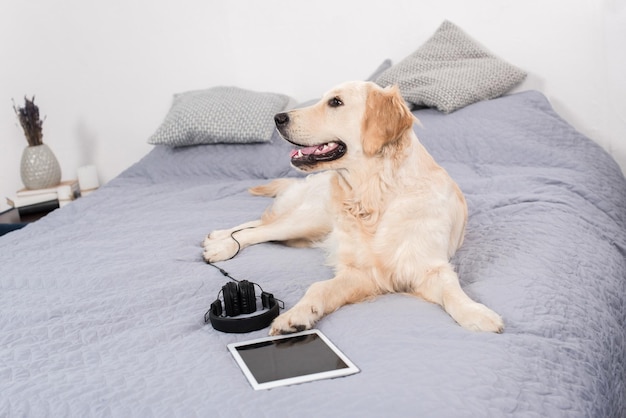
point(249, 324)
point(240, 298)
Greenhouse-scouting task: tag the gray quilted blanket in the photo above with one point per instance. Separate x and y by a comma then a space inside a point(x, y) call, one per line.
point(102, 302)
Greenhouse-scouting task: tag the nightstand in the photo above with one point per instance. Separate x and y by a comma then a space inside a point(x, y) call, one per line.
point(10, 220)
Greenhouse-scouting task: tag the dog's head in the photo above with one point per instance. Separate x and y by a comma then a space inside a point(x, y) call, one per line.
point(352, 121)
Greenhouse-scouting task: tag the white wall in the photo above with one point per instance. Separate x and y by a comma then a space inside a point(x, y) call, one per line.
point(103, 72)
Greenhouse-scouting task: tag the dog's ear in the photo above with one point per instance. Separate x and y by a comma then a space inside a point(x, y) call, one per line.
point(386, 119)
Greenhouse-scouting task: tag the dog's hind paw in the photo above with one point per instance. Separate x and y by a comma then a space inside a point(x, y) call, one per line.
point(478, 317)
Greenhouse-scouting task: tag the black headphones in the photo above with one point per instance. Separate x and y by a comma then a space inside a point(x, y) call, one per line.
point(240, 298)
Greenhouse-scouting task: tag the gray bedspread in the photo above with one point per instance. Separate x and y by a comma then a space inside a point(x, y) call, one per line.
point(102, 302)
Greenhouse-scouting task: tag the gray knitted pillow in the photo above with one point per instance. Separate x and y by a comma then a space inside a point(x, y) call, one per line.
point(451, 71)
point(219, 115)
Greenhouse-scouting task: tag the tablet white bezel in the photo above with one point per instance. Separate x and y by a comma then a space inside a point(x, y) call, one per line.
point(351, 369)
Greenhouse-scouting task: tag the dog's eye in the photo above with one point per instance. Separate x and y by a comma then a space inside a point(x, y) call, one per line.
point(335, 102)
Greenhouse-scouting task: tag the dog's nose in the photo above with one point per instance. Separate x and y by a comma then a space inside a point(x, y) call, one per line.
point(281, 119)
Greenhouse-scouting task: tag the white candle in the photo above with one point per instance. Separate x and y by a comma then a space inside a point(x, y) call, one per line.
point(65, 195)
point(88, 179)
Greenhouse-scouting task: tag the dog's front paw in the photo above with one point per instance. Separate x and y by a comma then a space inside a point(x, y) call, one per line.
point(294, 320)
point(478, 317)
point(219, 249)
point(218, 234)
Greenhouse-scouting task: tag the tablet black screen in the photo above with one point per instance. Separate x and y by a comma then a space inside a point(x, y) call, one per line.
point(290, 357)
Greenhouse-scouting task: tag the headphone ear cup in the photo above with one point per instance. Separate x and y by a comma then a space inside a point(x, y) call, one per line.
point(247, 297)
point(216, 307)
point(232, 306)
point(267, 299)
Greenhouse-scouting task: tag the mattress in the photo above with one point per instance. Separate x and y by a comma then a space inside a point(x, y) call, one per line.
point(102, 302)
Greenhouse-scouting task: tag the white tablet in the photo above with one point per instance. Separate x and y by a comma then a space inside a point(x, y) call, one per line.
point(289, 359)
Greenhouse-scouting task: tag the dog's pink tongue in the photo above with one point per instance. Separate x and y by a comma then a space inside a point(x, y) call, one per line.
point(304, 151)
point(316, 149)
point(312, 150)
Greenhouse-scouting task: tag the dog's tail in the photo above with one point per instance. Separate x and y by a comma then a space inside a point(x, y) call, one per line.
point(273, 188)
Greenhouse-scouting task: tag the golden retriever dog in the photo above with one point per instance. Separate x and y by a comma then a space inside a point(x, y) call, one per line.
point(389, 217)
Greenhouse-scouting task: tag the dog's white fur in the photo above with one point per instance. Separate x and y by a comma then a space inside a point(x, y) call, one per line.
point(388, 215)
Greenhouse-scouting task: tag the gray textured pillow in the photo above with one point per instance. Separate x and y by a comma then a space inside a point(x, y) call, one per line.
point(219, 115)
point(451, 71)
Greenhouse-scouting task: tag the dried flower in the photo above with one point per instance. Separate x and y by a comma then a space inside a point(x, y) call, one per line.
point(30, 121)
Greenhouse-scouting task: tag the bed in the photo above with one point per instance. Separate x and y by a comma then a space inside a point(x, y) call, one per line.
point(103, 301)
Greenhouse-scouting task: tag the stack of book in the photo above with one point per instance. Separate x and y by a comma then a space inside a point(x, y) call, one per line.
point(31, 201)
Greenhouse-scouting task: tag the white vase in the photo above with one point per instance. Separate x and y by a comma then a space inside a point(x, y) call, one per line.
point(39, 168)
